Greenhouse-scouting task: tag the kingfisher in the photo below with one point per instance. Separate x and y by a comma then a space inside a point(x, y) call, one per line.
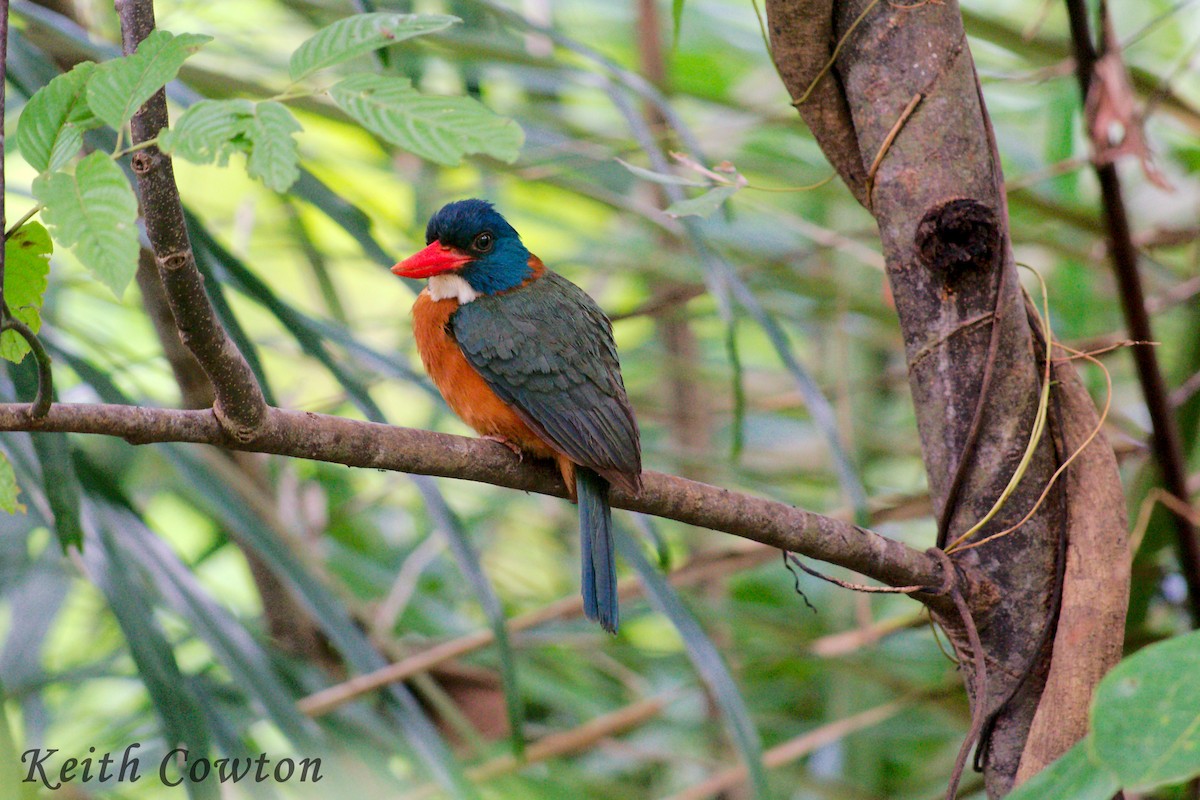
point(527, 359)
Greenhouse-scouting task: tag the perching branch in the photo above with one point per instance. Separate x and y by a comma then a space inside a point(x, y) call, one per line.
point(239, 405)
point(355, 443)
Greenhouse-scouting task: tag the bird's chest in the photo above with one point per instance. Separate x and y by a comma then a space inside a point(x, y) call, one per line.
point(464, 390)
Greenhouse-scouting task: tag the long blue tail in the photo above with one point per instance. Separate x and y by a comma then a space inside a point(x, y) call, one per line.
point(596, 540)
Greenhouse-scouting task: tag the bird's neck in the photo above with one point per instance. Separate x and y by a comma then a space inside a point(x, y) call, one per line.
point(453, 286)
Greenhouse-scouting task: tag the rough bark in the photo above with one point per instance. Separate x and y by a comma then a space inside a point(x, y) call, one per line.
point(354, 443)
point(239, 401)
point(975, 364)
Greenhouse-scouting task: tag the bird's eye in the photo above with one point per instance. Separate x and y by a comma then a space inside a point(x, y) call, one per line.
point(483, 242)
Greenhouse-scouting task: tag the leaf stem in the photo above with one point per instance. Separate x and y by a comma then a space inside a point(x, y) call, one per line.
point(28, 215)
point(290, 93)
point(133, 148)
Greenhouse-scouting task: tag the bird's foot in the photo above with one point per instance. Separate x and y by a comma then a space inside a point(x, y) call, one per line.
point(501, 440)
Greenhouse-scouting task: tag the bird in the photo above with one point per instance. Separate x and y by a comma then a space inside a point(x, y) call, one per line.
point(526, 358)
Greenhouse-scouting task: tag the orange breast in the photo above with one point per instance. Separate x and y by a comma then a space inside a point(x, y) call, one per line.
point(467, 394)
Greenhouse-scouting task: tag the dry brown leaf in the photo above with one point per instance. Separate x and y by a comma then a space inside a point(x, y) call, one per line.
point(1113, 119)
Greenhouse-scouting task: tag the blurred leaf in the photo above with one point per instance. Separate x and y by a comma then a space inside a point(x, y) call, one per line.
point(660, 177)
point(705, 657)
point(8, 487)
point(57, 477)
point(435, 127)
point(358, 35)
point(704, 205)
point(468, 563)
point(94, 212)
point(118, 88)
point(676, 19)
point(50, 131)
point(180, 711)
point(26, 265)
point(345, 214)
point(343, 632)
point(214, 259)
point(1074, 776)
point(11, 768)
point(248, 663)
point(1146, 715)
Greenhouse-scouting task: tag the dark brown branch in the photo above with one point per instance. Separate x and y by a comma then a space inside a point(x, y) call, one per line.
point(239, 401)
point(1165, 441)
point(355, 443)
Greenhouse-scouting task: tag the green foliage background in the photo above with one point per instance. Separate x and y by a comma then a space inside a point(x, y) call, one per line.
point(156, 633)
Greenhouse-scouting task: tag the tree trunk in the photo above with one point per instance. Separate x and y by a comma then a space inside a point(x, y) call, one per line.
point(903, 92)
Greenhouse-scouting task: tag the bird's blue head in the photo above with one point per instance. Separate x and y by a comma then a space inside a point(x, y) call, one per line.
point(469, 238)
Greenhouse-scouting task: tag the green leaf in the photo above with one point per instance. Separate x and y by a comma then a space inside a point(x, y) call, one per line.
point(1074, 776)
point(211, 130)
point(360, 34)
point(8, 487)
point(52, 123)
point(26, 265)
point(704, 205)
point(273, 156)
point(206, 132)
point(1146, 715)
point(118, 88)
point(676, 19)
point(94, 212)
point(440, 129)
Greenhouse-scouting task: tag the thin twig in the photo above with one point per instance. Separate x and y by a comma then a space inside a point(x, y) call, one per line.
point(1154, 497)
point(28, 215)
point(787, 752)
point(561, 744)
point(854, 587)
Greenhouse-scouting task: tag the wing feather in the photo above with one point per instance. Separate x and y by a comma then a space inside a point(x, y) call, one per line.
point(547, 349)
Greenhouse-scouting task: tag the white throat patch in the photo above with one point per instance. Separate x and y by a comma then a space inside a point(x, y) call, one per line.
point(446, 287)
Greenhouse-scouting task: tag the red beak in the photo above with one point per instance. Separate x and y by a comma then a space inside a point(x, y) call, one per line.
point(433, 260)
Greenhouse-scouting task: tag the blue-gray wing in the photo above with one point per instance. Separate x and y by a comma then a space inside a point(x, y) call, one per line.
point(547, 350)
